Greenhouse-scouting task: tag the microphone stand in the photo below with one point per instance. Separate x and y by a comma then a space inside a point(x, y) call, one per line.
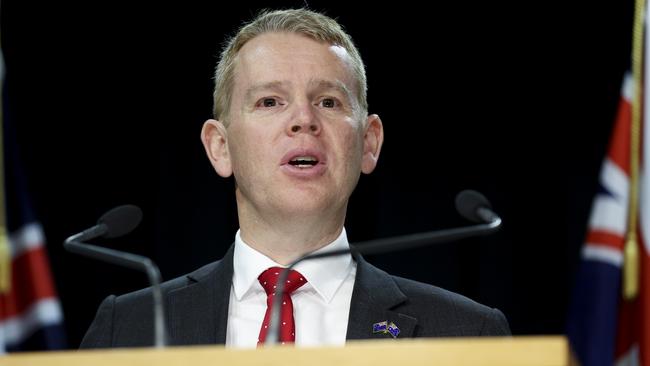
point(378, 246)
point(137, 262)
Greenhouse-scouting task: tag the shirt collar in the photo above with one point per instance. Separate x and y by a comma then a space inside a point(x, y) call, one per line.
point(324, 275)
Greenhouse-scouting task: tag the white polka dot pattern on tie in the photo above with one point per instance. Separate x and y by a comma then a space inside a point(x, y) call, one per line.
point(268, 279)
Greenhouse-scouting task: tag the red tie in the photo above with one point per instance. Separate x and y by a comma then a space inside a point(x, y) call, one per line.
point(268, 279)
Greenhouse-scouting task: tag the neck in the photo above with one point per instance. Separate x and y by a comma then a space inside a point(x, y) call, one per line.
point(286, 239)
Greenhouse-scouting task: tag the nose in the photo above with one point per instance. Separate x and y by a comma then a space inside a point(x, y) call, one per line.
point(304, 121)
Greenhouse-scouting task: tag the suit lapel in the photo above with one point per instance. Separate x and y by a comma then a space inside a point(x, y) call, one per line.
point(198, 312)
point(374, 297)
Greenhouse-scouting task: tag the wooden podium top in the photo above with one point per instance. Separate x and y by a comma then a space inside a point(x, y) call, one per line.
point(502, 351)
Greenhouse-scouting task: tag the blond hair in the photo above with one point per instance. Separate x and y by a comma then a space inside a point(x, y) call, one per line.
point(314, 25)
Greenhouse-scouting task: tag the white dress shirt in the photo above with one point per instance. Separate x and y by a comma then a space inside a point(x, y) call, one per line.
point(321, 306)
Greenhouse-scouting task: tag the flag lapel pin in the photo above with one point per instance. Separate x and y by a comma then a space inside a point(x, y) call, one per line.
point(380, 327)
point(386, 328)
point(393, 329)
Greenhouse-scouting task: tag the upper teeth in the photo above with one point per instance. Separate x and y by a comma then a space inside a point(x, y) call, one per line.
point(304, 158)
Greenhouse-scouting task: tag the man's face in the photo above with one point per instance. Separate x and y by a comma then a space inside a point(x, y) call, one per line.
point(295, 141)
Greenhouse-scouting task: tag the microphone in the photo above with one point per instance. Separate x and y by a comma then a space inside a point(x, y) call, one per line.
point(120, 221)
point(470, 204)
point(475, 207)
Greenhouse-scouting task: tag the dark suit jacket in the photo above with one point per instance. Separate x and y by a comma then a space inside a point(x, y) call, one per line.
point(196, 310)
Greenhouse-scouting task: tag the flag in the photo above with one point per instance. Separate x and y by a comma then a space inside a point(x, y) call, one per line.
point(30, 312)
point(609, 314)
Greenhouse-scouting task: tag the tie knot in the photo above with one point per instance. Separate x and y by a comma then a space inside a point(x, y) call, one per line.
point(269, 280)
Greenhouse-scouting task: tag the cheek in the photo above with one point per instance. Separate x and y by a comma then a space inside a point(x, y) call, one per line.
point(354, 142)
point(351, 151)
point(247, 153)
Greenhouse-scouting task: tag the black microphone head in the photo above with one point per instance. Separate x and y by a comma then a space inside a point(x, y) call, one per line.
point(468, 202)
point(121, 220)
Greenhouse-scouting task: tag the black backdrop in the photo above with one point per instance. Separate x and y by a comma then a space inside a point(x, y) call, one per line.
point(515, 100)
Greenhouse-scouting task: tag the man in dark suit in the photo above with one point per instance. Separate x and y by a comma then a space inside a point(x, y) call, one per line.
point(291, 125)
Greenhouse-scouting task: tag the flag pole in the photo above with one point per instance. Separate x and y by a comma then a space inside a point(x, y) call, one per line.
point(5, 253)
point(631, 250)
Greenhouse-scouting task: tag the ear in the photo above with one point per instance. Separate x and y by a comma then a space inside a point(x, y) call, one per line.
point(215, 141)
point(373, 138)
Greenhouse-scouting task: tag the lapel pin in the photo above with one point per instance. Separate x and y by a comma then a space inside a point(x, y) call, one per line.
point(393, 329)
point(380, 327)
point(386, 328)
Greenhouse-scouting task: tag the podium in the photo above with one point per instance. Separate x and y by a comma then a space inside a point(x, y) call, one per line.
point(502, 351)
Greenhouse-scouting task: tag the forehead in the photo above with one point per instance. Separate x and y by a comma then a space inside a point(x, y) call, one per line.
point(293, 58)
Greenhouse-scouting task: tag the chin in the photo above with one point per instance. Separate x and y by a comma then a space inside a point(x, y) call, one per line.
point(308, 205)
point(306, 208)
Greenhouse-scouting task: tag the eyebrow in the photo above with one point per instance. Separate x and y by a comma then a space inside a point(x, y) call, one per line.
point(317, 83)
point(263, 86)
point(336, 85)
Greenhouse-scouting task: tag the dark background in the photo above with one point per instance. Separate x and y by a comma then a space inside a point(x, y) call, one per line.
point(514, 100)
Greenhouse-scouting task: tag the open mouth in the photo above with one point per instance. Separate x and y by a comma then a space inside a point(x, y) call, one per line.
point(304, 162)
